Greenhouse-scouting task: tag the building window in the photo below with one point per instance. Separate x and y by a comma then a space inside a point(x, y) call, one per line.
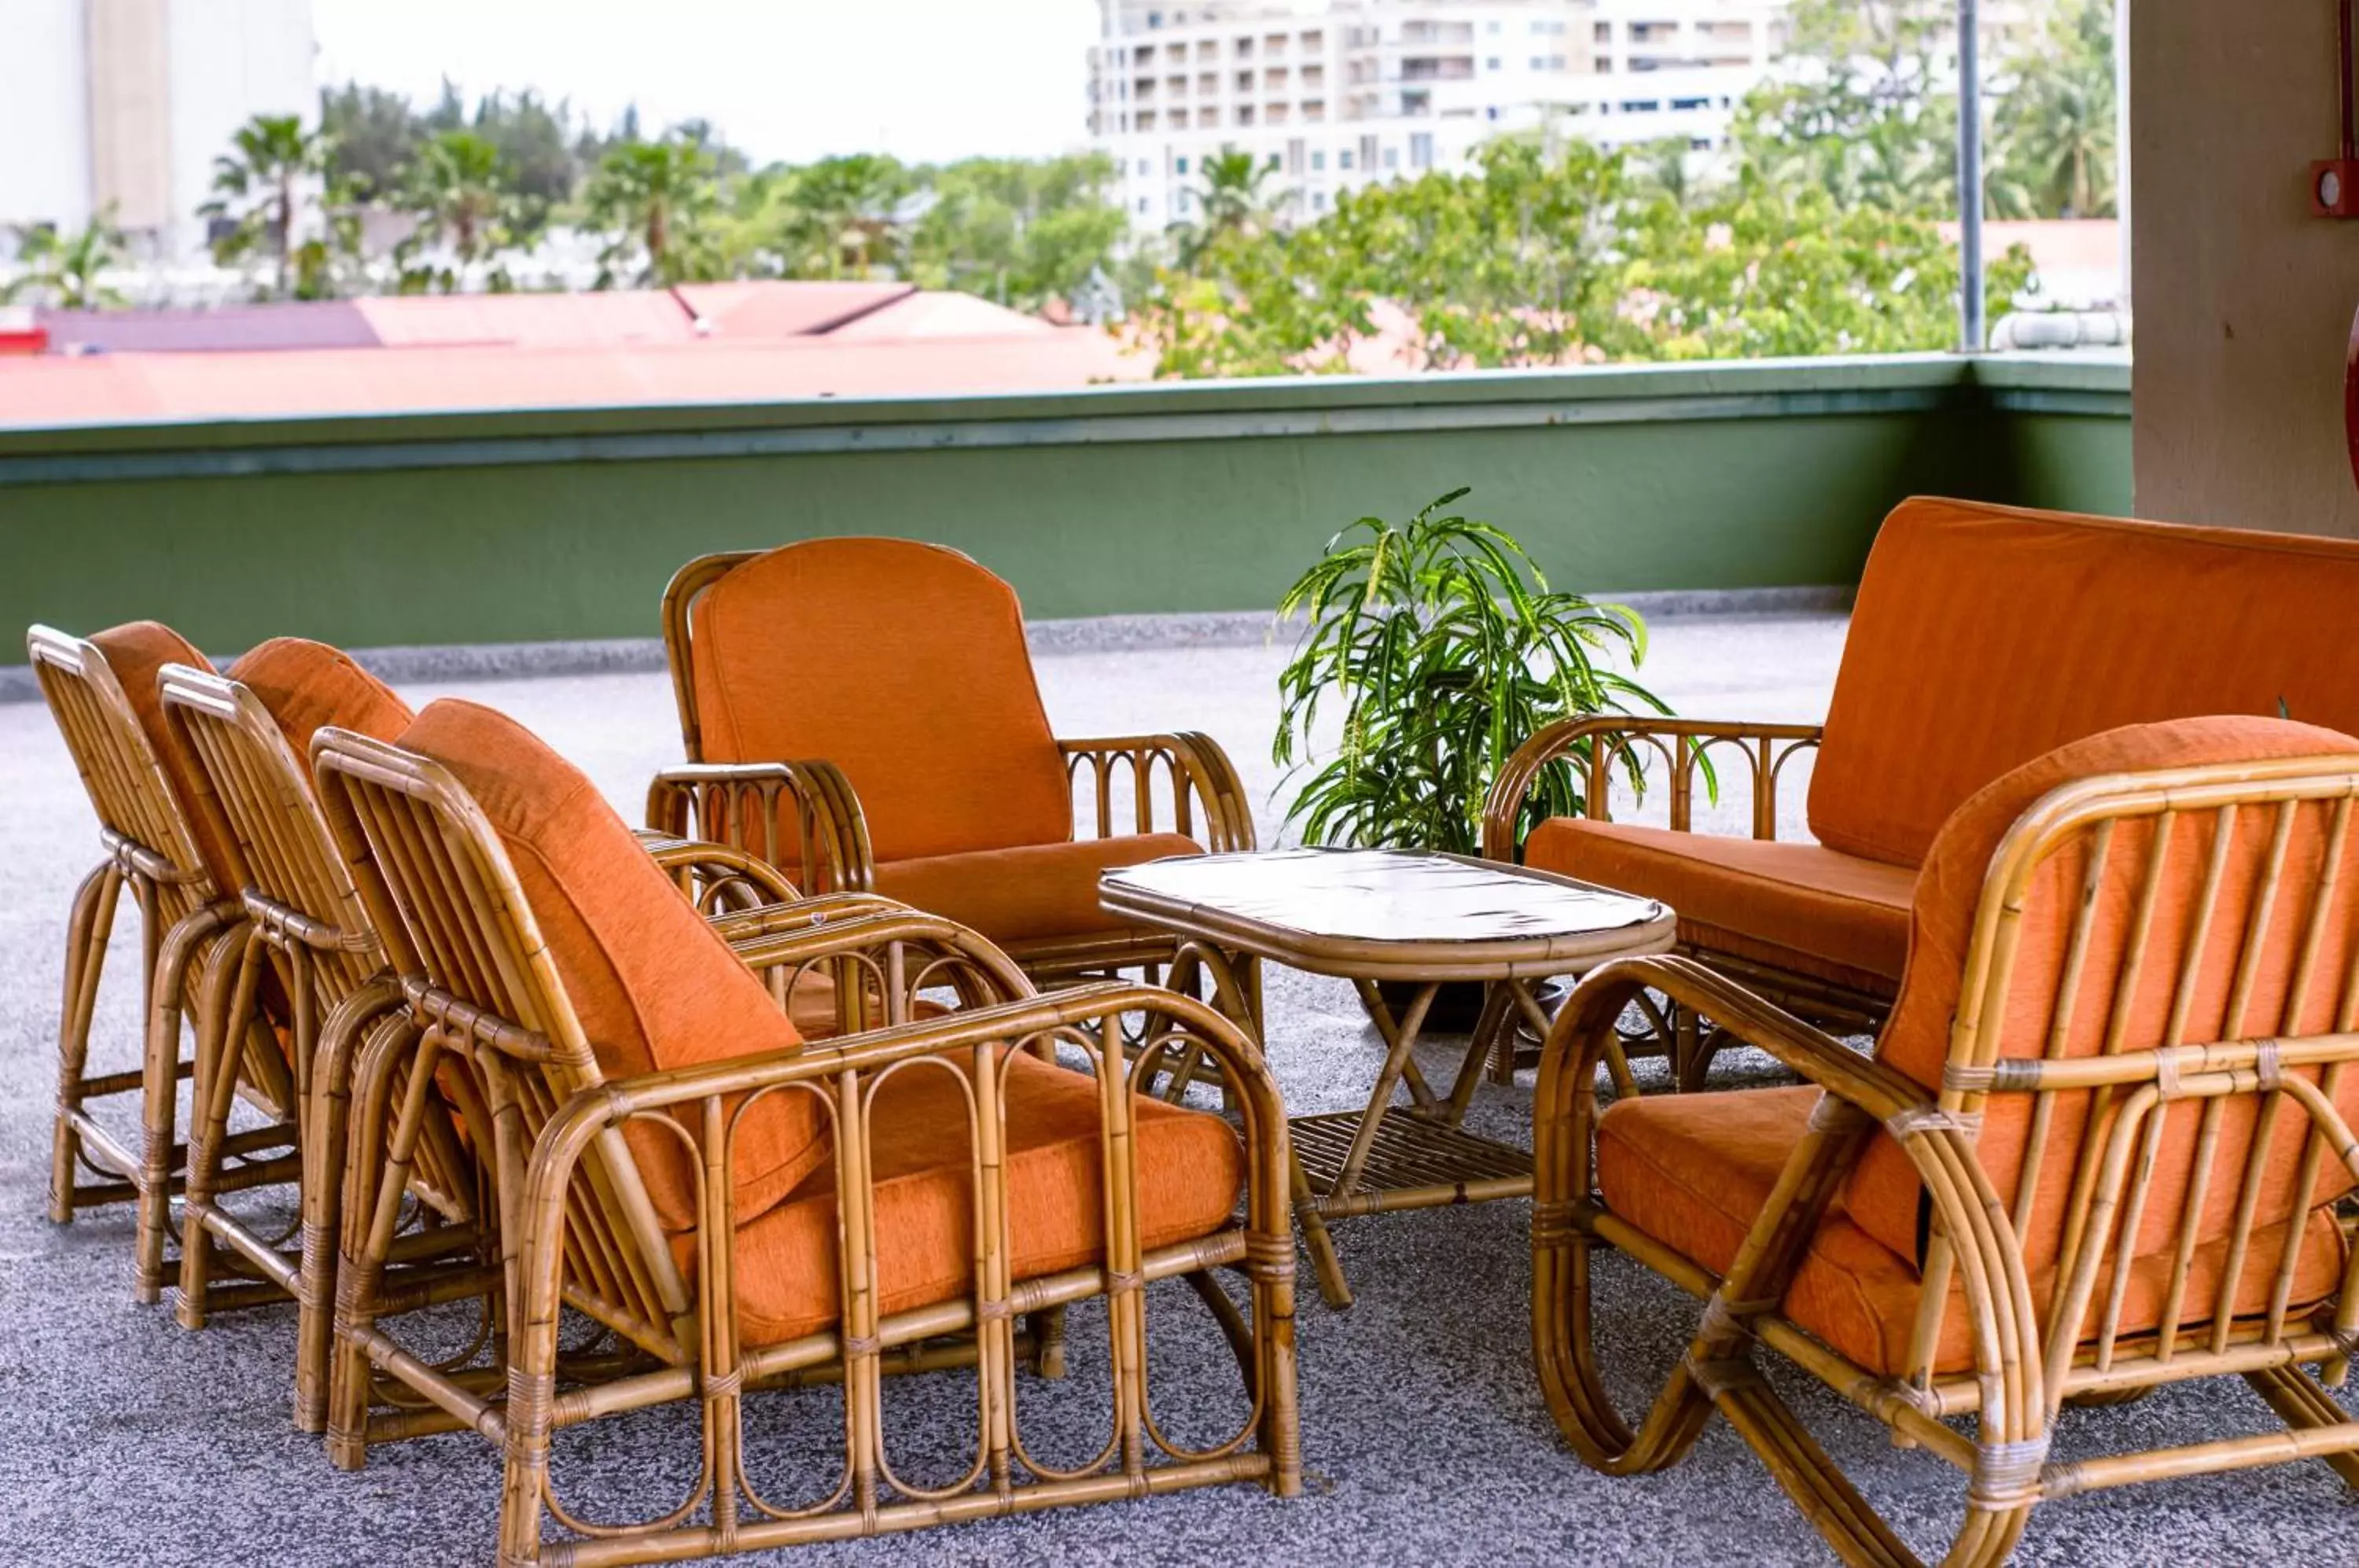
point(1641, 105)
point(1421, 150)
point(1155, 18)
point(1690, 103)
point(1244, 114)
point(1604, 32)
point(1319, 160)
point(1319, 200)
point(1244, 80)
point(1274, 161)
point(1142, 165)
point(1343, 158)
point(1142, 206)
point(1181, 166)
point(1392, 158)
point(1556, 62)
point(1244, 49)
point(1538, 62)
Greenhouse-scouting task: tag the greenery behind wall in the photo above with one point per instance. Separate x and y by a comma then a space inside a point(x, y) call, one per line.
point(1816, 233)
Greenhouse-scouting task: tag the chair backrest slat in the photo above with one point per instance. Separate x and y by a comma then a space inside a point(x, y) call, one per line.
point(440, 889)
point(2197, 924)
point(126, 780)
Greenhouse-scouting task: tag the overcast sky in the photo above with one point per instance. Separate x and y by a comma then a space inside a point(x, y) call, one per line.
point(926, 80)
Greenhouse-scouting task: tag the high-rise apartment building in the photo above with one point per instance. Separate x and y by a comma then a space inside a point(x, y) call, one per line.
point(1327, 94)
point(1674, 69)
point(120, 107)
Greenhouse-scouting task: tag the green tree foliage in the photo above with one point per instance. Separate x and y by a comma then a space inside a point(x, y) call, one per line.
point(658, 202)
point(261, 188)
point(462, 193)
point(372, 135)
point(2055, 126)
point(1017, 231)
point(1861, 107)
point(66, 270)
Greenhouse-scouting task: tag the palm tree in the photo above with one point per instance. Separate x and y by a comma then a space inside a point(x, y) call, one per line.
point(67, 269)
point(2056, 135)
point(459, 190)
point(1230, 200)
point(657, 199)
point(847, 215)
point(259, 185)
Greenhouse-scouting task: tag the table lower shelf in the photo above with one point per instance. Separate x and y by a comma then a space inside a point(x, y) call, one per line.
point(1415, 1162)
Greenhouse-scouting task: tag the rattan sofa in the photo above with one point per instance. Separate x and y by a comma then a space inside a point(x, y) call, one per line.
point(1982, 637)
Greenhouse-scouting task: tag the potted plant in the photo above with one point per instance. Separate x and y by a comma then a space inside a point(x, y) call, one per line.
point(1446, 648)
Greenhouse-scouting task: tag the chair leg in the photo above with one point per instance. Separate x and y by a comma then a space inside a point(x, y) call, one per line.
point(183, 949)
point(1047, 1341)
point(2303, 1406)
point(225, 1001)
point(87, 931)
point(1858, 1534)
point(326, 1121)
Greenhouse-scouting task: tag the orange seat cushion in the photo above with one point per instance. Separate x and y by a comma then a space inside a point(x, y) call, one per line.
point(1693, 1171)
point(1797, 906)
point(905, 665)
point(1033, 891)
point(1189, 1170)
point(1884, 1194)
point(651, 982)
point(309, 686)
point(1985, 636)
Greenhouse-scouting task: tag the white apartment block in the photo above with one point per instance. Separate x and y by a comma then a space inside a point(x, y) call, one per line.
point(122, 106)
point(1674, 69)
point(1330, 95)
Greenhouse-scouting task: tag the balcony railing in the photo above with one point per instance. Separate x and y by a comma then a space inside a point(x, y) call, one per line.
point(531, 526)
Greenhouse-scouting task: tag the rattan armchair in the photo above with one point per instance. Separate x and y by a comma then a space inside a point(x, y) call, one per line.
point(760, 1212)
point(102, 691)
point(863, 713)
point(2098, 1149)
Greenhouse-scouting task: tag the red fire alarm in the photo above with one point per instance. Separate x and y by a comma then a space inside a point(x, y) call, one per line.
point(2334, 181)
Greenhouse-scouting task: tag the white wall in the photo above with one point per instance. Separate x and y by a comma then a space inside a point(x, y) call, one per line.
point(44, 115)
point(231, 60)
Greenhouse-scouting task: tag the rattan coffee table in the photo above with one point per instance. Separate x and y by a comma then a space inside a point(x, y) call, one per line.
point(1370, 916)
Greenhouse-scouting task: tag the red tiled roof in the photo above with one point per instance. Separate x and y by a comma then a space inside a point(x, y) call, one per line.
point(940, 315)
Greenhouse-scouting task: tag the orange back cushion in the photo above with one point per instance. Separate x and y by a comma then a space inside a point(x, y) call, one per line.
point(310, 686)
point(1987, 635)
point(136, 652)
point(652, 985)
point(1884, 1195)
point(905, 665)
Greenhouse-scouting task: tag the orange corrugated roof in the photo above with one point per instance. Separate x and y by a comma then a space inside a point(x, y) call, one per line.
point(529, 321)
point(109, 388)
point(940, 315)
point(785, 310)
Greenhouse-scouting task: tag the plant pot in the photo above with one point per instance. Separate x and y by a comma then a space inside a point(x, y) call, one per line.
point(1457, 1006)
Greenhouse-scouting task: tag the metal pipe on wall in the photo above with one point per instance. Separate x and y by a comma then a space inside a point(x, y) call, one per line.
point(1971, 331)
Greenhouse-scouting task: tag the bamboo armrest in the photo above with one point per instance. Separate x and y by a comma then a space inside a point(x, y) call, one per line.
point(739, 804)
point(1971, 1225)
point(800, 914)
point(1212, 793)
point(715, 874)
point(1599, 741)
point(867, 930)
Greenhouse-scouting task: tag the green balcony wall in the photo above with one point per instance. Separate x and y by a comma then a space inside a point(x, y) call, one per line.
point(534, 526)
